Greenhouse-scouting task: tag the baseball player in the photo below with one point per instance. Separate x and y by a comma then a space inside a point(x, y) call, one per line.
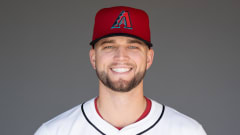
point(121, 53)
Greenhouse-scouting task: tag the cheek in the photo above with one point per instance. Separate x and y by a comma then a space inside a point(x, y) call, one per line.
point(102, 62)
point(140, 60)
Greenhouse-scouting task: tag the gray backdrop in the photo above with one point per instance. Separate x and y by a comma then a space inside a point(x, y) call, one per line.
point(45, 69)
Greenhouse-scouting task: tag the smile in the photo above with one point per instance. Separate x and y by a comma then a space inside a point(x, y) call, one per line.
point(121, 70)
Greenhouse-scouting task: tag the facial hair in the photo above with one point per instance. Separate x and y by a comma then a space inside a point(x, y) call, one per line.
point(121, 85)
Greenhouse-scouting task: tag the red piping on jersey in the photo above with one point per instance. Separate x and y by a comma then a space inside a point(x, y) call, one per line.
point(144, 114)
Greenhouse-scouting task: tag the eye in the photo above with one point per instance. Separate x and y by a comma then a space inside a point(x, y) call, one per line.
point(107, 47)
point(132, 47)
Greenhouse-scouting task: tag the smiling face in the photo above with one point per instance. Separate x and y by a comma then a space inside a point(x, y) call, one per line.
point(121, 62)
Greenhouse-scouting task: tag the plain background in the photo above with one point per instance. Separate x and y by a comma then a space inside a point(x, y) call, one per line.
point(45, 68)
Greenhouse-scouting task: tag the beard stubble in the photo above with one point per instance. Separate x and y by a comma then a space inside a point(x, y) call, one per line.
point(121, 85)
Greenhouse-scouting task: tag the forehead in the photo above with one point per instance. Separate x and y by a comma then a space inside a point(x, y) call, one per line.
point(120, 40)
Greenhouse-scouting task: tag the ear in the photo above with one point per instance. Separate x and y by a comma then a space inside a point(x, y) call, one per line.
point(150, 56)
point(92, 58)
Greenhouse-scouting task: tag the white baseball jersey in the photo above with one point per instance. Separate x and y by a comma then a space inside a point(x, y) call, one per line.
point(84, 120)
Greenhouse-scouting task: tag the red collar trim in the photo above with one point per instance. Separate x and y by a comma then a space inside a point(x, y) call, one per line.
point(144, 114)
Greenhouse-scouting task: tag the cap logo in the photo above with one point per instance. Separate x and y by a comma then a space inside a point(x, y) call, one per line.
point(123, 19)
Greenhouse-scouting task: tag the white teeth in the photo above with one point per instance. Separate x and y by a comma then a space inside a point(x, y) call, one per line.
point(121, 70)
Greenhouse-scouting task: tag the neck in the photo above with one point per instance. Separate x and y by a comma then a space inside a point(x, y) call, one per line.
point(121, 108)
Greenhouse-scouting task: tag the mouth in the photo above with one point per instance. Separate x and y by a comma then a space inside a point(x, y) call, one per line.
point(121, 70)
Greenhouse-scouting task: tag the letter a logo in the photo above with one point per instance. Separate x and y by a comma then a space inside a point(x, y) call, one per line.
point(123, 19)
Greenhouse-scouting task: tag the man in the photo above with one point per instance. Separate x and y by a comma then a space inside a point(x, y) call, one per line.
point(121, 53)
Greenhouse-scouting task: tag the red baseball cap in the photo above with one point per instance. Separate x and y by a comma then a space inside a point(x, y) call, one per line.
point(121, 21)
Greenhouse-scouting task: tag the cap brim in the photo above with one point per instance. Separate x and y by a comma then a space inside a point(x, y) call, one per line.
point(149, 44)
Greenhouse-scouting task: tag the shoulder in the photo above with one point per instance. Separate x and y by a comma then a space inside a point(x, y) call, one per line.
point(180, 123)
point(62, 120)
point(62, 123)
point(178, 117)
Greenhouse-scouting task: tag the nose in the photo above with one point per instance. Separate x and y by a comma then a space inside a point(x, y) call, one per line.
point(121, 54)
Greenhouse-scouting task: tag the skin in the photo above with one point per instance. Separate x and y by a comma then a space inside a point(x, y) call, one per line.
point(121, 105)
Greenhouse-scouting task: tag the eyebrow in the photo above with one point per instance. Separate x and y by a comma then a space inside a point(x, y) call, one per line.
point(134, 41)
point(131, 41)
point(107, 41)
